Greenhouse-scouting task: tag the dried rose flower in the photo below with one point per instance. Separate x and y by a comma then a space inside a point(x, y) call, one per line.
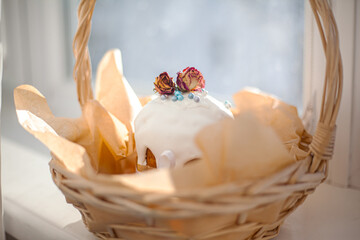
point(164, 84)
point(190, 79)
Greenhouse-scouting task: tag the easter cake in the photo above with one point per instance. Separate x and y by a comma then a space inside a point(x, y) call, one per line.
point(166, 127)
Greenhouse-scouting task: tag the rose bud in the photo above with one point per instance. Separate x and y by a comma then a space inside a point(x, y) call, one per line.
point(190, 79)
point(164, 84)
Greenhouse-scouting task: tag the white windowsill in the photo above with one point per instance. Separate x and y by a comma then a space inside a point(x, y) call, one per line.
point(36, 209)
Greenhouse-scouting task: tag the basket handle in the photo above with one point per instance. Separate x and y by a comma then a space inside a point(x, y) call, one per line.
point(82, 68)
point(322, 145)
point(323, 141)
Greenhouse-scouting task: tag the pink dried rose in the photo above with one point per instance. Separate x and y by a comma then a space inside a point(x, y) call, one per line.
point(164, 84)
point(190, 79)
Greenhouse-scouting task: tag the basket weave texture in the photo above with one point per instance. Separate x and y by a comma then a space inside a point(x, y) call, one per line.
point(230, 211)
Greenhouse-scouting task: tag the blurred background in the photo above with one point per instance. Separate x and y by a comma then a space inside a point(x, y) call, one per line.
point(234, 43)
point(272, 45)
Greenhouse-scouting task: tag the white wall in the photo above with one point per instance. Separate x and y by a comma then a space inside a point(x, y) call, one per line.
point(354, 180)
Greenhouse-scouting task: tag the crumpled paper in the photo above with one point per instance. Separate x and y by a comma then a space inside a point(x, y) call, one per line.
point(242, 149)
point(103, 135)
point(263, 138)
point(281, 117)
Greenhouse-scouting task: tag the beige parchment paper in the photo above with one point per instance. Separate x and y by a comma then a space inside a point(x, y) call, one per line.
point(263, 138)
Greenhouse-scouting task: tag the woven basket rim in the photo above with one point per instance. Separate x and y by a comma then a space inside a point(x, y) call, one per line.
point(255, 188)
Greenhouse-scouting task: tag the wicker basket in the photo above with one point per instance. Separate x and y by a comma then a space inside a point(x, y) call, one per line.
point(228, 211)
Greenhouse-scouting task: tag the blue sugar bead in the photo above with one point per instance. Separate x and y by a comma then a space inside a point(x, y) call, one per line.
point(163, 97)
point(191, 96)
point(227, 103)
point(180, 97)
point(196, 98)
point(204, 90)
point(177, 92)
point(174, 98)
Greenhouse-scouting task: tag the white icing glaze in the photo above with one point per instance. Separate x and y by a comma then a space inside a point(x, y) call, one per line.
point(166, 160)
point(164, 125)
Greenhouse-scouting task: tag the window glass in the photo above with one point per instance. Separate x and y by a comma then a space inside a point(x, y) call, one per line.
point(234, 43)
